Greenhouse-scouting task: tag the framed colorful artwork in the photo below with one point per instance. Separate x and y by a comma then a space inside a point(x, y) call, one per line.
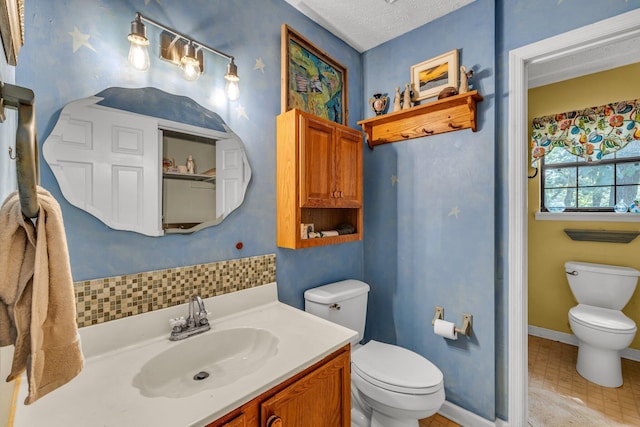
point(312, 81)
point(428, 78)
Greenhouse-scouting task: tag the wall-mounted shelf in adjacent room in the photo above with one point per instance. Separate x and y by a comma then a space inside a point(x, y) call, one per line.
point(444, 115)
point(610, 236)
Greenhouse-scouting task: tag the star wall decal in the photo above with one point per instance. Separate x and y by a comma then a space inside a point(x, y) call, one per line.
point(394, 180)
point(454, 212)
point(259, 65)
point(80, 39)
point(241, 112)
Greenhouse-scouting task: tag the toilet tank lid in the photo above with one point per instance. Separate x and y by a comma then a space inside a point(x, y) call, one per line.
point(337, 291)
point(601, 268)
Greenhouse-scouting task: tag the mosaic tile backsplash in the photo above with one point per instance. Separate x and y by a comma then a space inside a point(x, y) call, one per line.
point(101, 300)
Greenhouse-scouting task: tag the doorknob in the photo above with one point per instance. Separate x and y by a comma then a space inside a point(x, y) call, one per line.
point(274, 421)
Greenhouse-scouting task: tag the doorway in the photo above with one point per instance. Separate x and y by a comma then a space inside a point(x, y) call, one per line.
point(544, 62)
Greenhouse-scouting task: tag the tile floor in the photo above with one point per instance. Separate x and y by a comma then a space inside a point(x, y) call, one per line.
point(552, 365)
point(438, 420)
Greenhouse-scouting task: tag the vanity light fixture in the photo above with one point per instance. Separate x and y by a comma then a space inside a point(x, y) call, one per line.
point(189, 60)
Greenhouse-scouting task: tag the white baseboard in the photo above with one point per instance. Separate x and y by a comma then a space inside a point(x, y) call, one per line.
point(563, 337)
point(466, 418)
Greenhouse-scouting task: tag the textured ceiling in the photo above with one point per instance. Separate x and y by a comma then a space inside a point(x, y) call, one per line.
point(365, 24)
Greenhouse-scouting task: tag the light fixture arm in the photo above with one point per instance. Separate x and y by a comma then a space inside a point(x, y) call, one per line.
point(176, 33)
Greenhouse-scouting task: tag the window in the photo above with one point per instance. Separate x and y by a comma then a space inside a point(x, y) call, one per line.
point(570, 182)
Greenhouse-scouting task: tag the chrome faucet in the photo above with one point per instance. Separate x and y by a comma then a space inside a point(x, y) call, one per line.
point(196, 323)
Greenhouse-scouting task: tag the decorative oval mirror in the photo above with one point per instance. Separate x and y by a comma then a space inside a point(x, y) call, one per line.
point(147, 161)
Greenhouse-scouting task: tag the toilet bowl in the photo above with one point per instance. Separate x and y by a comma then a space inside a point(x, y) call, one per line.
point(597, 321)
point(601, 333)
point(390, 386)
point(397, 386)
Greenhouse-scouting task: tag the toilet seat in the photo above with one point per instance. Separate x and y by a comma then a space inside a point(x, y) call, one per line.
point(603, 319)
point(396, 369)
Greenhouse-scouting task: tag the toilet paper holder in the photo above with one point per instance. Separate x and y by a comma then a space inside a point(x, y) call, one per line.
point(467, 321)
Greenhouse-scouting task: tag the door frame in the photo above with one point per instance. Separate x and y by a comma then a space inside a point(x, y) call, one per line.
point(550, 53)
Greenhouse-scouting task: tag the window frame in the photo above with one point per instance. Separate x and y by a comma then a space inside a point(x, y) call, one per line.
point(584, 164)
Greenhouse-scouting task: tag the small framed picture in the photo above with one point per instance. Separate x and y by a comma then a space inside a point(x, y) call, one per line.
point(429, 77)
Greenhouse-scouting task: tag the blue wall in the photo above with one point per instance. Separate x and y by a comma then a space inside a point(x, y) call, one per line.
point(429, 238)
point(246, 29)
point(417, 252)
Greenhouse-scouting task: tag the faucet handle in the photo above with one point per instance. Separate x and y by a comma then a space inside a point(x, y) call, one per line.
point(177, 323)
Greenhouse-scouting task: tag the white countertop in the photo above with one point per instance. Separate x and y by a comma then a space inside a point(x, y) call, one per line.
point(104, 395)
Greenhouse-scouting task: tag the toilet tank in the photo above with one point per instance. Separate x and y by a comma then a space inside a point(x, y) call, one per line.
point(344, 303)
point(600, 285)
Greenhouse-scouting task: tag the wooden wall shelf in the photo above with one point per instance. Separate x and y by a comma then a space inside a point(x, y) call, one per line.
point(444, 115)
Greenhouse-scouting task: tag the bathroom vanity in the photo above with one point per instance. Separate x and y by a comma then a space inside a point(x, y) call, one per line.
point(320, 394)
point(270, 364)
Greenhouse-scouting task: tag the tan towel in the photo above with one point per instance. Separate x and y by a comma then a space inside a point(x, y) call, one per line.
point(37, 301)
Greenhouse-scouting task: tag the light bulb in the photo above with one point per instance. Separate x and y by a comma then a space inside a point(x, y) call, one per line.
point(189, 68)
point(189, 65)
point(138, 52)
point(232, 90)
point(231, 86)
point(139, 56)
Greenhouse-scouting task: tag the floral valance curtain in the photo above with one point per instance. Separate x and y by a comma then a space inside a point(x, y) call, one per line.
point(590, 133)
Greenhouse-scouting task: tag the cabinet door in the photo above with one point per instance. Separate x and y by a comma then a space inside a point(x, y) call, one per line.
point(348, 169)
point(317, 153)
point(239, 421)
point(320, 399)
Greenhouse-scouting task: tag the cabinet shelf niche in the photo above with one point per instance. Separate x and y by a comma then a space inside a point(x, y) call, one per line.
point(444, 115)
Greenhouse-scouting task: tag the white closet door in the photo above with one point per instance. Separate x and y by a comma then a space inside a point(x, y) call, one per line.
point(231, 181)
point(110, 170)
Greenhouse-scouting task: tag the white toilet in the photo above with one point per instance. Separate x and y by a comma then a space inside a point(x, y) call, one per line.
point(597, 321)
point(390, 385)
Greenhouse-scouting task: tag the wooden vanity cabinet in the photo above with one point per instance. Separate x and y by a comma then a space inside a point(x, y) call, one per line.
point(319, 396)
point(319, 179)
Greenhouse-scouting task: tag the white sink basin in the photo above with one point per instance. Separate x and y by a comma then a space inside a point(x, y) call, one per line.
point(210, 360)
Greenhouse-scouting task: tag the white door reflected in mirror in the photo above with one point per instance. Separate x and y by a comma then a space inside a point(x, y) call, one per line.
point(123, 156)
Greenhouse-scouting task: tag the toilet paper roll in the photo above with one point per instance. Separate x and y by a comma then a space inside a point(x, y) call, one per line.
point(445, 329)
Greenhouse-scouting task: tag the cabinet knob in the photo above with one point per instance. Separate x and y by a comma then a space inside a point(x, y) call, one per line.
point(274, 421)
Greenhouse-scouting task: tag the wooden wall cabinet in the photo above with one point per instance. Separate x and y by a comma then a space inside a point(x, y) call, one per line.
point(319, 179)
point(320, 396)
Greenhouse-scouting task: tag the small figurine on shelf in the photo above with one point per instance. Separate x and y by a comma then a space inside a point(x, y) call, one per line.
point(397, 105)
point(464, 79)
point(406, 100)
point(191, 165)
